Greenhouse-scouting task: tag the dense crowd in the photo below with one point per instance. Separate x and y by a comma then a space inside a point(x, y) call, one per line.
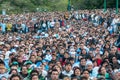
point(75, 45)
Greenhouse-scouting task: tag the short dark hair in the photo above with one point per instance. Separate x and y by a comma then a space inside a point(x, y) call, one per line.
point(15, 75)
point(54, 70)
point(33, 75)
point(68, 63)
point(85, 70)
point(74, 78)
point(34, 71)
point(83, 78)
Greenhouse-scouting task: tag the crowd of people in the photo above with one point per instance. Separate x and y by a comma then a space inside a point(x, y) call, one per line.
point(75, 45)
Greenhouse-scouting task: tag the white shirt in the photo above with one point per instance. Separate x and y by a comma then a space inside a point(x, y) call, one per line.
point(67, 73)
point(48, 57)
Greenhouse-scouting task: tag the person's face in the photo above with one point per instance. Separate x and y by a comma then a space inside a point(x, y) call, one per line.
point(20, 59)
point(33, 59)
point(62, 51)
point(75, 79)
point(72, 61)
point(103, 70)
point(24, 70)
point(106, 46)
point(113, 51)
point(16, 78)
point(14, 72)
point(86, 74)
point(2, 57)
point(117, 75)
point(58, 63)
point(89, 67)
point(114, 60)
point(83, 62)
point(84, 51)
point(3, 79)
point(2, 70)
point(66, 55)
point(51, 65)
point(35, 77)
point(53, 57)
point(54, 75)
point(68, 67)
point(77, 72)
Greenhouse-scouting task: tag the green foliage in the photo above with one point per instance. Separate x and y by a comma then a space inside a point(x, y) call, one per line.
point(19, 6)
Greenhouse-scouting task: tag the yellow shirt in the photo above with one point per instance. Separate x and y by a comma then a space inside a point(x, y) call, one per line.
point(9, 26)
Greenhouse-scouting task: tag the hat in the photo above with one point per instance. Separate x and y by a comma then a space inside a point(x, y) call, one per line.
point(15, 63)
point(27, 62)
point(89, 63)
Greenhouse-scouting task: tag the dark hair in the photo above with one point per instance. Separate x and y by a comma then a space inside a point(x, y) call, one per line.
point(2, 62)
point(83, 78)
point(82, 59)
point(34, 71)
point(100, 69)
point(53, 70)
point(85, 70)
point(15, 75)
point(12, 70)
point(23, 66)
point(68, 63)
point(3, 77)
point(104, 61)
point(34, 75)
point(74, 78)
point(75, 68)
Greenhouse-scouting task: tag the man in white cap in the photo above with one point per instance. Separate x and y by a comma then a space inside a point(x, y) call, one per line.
point(92, 70)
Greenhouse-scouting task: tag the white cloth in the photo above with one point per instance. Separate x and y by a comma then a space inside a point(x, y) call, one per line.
point(67, 73)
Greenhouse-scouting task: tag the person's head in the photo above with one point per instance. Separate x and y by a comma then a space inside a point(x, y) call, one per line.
point(13, 71)
point(85, 73)
point(58, 63)
point(74, 78)
point(89, 65)
point(34, 72)
point(13, 67)
point(105, 63)
point(68, 67)
point(24, 69)
point(114, 59)
point(66, 55)
point(83, 78)
point(34, 77)
point(15, 77)
point(28, 64)
point(51, 64)
point(117, 75)
point(54, 57)
point(57, 67)
point(113, 50)
point(54, 74)
point(71, 59)
point(102, 70)
point(2, 56)
point(3, 78)
point(83, 51)
point(66, 78)
point(77, 71)
point(2, 69)
point(102, 78)
point(47, 51)
point(33, 58)
point(19, 59)
point(83, 62)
